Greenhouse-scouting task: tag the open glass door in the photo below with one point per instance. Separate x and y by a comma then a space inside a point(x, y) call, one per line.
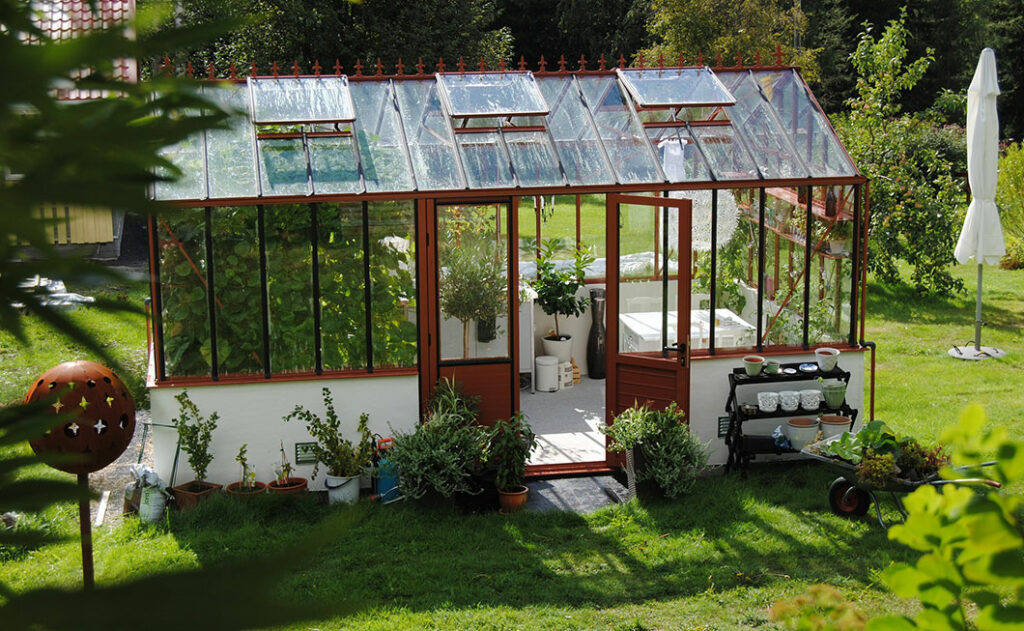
point(649, 301)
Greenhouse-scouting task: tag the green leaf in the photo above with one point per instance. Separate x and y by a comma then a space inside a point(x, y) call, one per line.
point(999, 618)
point(890, 623)
point(904, 580)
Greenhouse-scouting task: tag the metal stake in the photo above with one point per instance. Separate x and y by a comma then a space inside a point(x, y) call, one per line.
point(977, 315)
point(86, 525)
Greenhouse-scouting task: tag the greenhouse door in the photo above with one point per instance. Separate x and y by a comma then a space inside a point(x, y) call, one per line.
point(648, 302)
point(472, 308)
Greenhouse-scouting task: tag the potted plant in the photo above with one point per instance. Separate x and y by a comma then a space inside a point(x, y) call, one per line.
point(247, 486)
point(194, 434)
point(839, 237)
point(556, 294)
point(473, 287)
point(509, 445)
point(284, 483)
point(344, 461)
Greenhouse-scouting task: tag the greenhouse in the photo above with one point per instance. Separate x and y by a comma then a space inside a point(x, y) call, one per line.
point(373, 234)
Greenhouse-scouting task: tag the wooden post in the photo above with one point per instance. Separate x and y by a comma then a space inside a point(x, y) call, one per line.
point(85, 522)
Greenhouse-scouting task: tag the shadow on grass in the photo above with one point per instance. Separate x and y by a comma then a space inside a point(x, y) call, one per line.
point(731, 532)
point(901, 303)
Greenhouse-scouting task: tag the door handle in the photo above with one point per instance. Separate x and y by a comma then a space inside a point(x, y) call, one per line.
point(680, 348)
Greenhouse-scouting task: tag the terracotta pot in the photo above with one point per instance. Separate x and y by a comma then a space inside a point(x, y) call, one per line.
point(187, 496)
point(289, 487)
point(512, 499)
point(235, 489)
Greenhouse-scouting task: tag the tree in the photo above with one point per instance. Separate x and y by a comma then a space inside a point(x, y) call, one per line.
point(1008, 36)
point(831, 31)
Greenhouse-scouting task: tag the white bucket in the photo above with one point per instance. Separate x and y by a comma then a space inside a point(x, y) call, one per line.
point(151, 504)
point(547, 373)
point(342, 490)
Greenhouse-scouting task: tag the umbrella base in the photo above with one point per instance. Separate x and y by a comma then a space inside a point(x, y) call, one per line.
point(969, 352)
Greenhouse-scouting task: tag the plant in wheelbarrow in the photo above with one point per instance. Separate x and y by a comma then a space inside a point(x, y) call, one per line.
point(344, 460)
point(194, 435)
point(247, 486)
point(509, 445)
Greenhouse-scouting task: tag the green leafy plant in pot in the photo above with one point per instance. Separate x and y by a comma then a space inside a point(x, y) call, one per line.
point(247, 486)
point(556, 293)
point(344, 460)
point(194, 435)
point(285, 483)
point(509, 445)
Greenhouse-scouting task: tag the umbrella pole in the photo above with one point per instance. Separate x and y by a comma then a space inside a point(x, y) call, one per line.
point(977, 315)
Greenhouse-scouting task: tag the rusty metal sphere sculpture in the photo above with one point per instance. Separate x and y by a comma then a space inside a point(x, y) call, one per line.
point(104, 416)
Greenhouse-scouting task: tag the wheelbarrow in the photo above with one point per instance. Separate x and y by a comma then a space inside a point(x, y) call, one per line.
point(849, 496)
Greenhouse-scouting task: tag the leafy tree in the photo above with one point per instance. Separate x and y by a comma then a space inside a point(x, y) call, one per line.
point(1010, 197)
point(1008, 35)
point(831, 31)
point(914, 196)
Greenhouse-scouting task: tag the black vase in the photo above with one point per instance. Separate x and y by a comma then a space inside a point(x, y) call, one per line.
point(596, 341)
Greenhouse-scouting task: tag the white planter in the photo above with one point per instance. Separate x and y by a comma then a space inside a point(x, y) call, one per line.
point(801, 431)
point(562, 349)
point(342, 490)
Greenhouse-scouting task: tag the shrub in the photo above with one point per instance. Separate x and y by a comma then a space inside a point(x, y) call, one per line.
point(1010, 198)
point(341, 457)
point(509, 445)
point(194, 434)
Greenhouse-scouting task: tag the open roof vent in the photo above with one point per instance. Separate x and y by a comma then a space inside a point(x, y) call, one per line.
point(675, 87)
point(289, 100)
point(486, 95)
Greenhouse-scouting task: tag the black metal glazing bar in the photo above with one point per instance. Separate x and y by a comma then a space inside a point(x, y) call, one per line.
point(713, 282)
point(367, 287)
point(808, 232)
point(314, 241)
point(158, 300)
point(264, 291)
point(211, 298)
point(760, 271)
point(855, 264)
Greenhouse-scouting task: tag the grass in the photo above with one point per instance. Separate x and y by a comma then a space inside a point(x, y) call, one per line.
point(716, 560)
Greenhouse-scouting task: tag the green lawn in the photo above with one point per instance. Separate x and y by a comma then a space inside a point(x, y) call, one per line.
point(715, 560)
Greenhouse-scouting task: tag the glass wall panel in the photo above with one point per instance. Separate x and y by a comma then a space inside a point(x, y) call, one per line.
point(473, 286)
point(643, 323)
point(428, 132)
point(784, 278)
point(187, 155)
point(576, 139)
point(728, 158)
point(393, 283)
point(186, 324)
point(342, 299)
point(736, 257)
point(680, 158)
point(283, 168)
point(238, 294)
point(230, 151)
point(831, 268)
point(335, 165)
point(528, 215)
point(290, 287)
point(381, 146)
point(623, 137)
point(534, 159)
point(484, 160)
point(592, 231)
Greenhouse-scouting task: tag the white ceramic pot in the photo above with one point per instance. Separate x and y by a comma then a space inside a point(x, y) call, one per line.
point(342, 490)
point(767, 401)
point(789, 400)
point(827, 358)
point(562, 349)
point(834, 425)
point(801, 431)
point(810, 399)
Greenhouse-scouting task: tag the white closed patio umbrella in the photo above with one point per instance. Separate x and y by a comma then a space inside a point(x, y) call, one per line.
point(982, 235)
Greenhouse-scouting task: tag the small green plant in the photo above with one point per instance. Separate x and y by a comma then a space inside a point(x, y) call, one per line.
point(248, 474)
point(877, 469)
point(880, 454)
point(509, 446)
point(285, 469)
point(194, 434)
point(448, 399)
point(556, 289)
point(341, 457)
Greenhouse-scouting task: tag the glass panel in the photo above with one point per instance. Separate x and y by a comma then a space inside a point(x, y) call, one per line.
point(429, 136)
point(290, 287)
point(728, 158)
point(236, 281)
point(674, 87)
point(473, 286)
point(575, 138)
point(643, 323)
point(485, 162)
point(529, 211)
point(736, 265)
point(186, 325)
point(393, 280)
point(504, 94)
point(592, 231)
point(533, 157)
point(623, 137)
point(229, 151)
point(342, 302)
point(283, 167)
point(187, 155)
point(334, 164)
point(381, 147)
point(769, 143)
point(680, 157)
point(299, 100)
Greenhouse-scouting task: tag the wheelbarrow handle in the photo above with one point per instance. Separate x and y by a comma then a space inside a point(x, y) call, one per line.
point(990, 463)
point(969, 481)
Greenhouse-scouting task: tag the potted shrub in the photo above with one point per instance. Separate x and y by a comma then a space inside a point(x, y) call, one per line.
point(509, 446)
point(556, 294)
point(473, 287)
point(839, 238)
point(344, 461)
point(284, 483)
point(194, 434)
point(247, 486)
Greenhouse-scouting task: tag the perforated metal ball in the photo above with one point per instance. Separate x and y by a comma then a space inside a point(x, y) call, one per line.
point(103, 416)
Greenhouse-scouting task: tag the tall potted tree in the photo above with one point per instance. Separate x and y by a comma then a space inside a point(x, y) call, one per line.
point(194, 435)
point(556, 293)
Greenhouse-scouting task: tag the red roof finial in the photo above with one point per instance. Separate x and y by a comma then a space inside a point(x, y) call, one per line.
point(680, 61)
point(232, 71)
point(641, 61)
point(165, 67)
point(522, 63)
point(700, 59)
point(440, 64)
point(601, 63)
point(296, 69)
point(316, 67)
point(252, 69)
point(561, 63)
point(337, 67)
point(211, 73)
point(399, 67)
point(583, 63)
point(189, 71)
point(661, 61)
point(501, 64)
point(739, 59)
point(482, 64)
point(622, 61)
point(359, 67)
point(543, 65)
point(461, 65)
point(273, 69)
point(718, 59)
point(757, 58)
point(380, 68)
point(778, 54)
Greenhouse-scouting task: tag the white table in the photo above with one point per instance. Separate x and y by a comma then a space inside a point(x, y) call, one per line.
point(641, 331)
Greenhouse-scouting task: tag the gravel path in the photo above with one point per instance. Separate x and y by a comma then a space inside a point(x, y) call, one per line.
point(117, 475)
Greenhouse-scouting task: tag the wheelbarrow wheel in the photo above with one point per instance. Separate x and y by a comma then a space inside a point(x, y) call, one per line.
point(847, 500)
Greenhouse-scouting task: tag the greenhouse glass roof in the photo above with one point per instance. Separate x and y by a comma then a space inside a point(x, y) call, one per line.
point(335, 135)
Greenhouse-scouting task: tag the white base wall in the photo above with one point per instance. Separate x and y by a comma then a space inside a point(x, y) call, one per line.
point(709, 390)
point(252, 413)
